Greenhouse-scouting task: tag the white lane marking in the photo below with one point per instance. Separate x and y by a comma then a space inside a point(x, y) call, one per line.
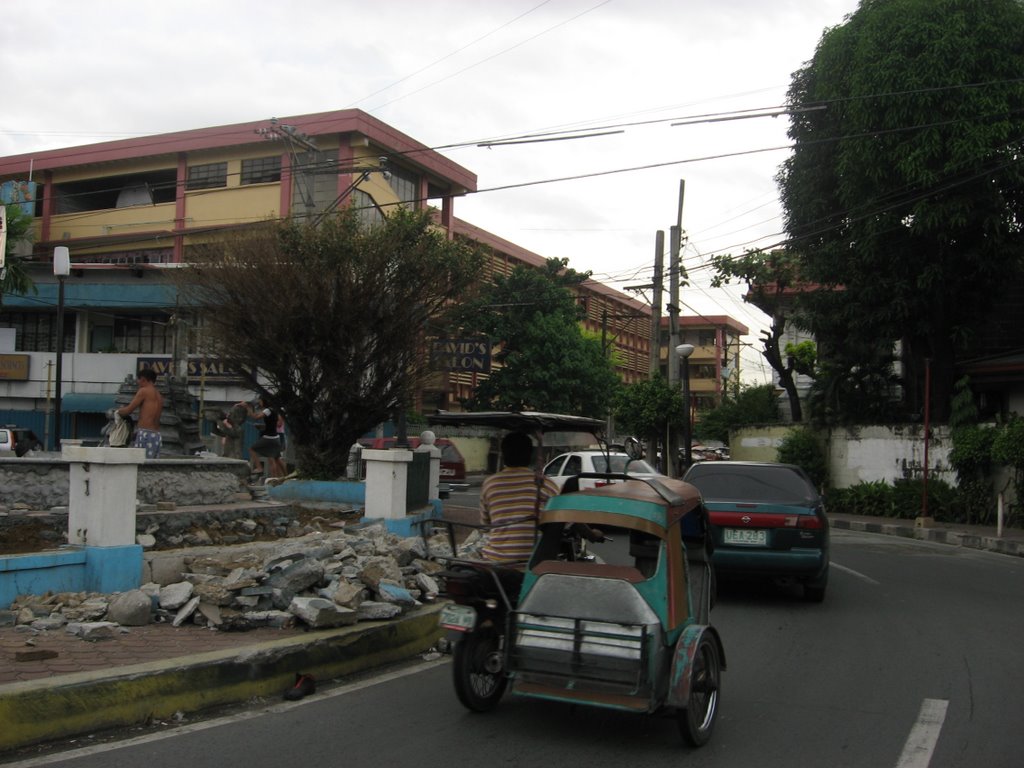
point(852, 572)
point(182, 730)
point(917, 752)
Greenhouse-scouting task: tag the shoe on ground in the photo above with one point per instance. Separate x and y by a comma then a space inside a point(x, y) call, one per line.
point(304, 685)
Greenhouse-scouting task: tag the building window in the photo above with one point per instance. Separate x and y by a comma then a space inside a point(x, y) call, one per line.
point(208, 176)
point(405, 184)
point(37, 331)
point(366, 209)
point(261, 170)
point(143, 334)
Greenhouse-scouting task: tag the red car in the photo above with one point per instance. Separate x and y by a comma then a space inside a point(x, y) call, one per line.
point(453, 465)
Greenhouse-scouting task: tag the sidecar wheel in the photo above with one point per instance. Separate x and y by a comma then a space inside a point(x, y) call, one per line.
point(697, 719)
point(477, 688)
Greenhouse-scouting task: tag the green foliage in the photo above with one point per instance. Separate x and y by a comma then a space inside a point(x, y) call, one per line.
point(963, 410)
point(1008, 445)
point(802, 447)
point(902, 500)
point(942, 499)
point(874, 498)
point(647, 408)
point(904, 190)
point(971, 455)
point(547, 362)
point(803, 356)
point(328, 321)
point(15, 276)
point(771, 278)
point(753, 405)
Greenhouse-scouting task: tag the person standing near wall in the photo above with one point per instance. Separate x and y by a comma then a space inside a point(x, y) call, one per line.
point(268, 445)
point(150, 404)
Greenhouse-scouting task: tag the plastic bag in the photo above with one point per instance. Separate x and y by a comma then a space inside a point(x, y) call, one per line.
point(120, 433)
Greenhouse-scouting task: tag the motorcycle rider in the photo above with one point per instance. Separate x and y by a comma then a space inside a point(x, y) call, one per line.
point(510, 500)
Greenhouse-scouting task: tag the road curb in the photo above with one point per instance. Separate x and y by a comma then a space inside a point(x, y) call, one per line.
point(70, 705)
point(936, 535)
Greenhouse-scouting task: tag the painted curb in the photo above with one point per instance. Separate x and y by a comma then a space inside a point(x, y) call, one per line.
point(70, 705)
point(935, 535)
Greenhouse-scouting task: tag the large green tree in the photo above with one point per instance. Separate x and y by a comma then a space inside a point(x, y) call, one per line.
point(905, 190)
point(329, 322)
point(546, 361)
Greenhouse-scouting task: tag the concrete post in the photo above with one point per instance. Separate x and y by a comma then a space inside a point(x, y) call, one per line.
point(102, 485)
point(427, 440)
point(387, 477)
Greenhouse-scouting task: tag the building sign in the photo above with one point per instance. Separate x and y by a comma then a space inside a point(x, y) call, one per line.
point(211, 370)
point(466, 355)
point(20, 193)
point(14, 367)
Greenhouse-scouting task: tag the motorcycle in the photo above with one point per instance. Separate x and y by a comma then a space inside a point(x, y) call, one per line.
point(626, 628)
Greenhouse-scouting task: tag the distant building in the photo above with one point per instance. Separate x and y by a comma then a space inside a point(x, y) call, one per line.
point(714, 365)
point(129, 210)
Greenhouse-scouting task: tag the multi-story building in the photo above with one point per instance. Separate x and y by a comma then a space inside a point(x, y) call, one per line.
point(129, 210)
point(714, 364)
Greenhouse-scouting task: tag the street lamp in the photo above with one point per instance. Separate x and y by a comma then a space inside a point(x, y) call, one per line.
point(684, 351)
point(61, 269)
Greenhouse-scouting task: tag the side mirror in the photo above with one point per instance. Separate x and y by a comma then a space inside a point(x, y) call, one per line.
point(634, 449)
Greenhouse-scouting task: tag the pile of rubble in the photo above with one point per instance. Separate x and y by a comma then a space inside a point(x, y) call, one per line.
point(324, 579)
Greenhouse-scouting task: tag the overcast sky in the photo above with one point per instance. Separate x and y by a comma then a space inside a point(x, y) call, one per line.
point(455, 72)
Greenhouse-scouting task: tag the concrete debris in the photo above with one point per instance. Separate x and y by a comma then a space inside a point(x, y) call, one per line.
point(322, 579)
point(131, 609)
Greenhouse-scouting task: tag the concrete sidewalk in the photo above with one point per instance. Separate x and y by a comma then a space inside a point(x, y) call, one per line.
point(55, 685)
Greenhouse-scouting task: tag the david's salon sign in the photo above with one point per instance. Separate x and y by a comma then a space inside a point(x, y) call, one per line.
point(466, 355)
point(199, 369)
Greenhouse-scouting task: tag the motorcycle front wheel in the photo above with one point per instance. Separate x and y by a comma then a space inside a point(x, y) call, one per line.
point(476, 670)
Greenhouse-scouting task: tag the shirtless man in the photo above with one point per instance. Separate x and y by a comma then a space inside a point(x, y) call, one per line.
point(150, 403)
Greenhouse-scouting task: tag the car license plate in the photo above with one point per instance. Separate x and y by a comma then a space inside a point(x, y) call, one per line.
point(461, 618)
point(745, 537)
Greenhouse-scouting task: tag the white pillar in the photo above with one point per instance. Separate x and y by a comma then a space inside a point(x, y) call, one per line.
point(427, 439)
point(387, 476)
point(103, 483)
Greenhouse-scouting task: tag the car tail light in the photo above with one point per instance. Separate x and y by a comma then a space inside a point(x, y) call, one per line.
point(810, 521)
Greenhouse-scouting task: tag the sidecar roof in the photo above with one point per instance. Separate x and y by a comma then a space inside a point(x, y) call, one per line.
point(644, 505)
point(518, 420)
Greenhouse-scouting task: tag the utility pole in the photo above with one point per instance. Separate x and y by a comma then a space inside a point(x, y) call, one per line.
point(659, 268)
point(675, 271)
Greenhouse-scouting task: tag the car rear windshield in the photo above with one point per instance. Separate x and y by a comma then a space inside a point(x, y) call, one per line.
point(732, 482)
point(618, 465)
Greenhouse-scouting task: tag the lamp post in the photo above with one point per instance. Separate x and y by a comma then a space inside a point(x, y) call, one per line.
point(61, 269)
point(684, 351)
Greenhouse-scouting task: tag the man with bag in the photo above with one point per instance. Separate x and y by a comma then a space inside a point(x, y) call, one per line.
point(150, 404)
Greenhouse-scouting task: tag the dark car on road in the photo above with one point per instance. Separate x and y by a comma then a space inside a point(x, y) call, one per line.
point(768, 521)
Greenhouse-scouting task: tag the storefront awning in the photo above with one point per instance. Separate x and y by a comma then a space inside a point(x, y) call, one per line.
point(86, 402)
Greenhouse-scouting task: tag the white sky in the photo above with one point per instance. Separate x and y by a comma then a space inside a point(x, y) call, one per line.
point(458, 71)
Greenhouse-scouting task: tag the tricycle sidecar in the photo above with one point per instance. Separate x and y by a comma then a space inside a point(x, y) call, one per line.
point(624, 626)
point(628, 628)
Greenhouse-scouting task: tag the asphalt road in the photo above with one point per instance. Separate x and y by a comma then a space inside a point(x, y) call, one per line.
point(913, 660)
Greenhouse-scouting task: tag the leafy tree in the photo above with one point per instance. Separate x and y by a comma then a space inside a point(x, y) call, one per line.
point(905, 190)
point(803, 447)
point(772, 277)
point(329, 322)
point(648, 408)
point(547, 362)
point(753, 405)
point(14, 277)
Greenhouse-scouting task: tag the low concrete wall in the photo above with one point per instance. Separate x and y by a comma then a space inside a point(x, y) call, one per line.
point(89, 569)
point(42, 482)
point(860, 455)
